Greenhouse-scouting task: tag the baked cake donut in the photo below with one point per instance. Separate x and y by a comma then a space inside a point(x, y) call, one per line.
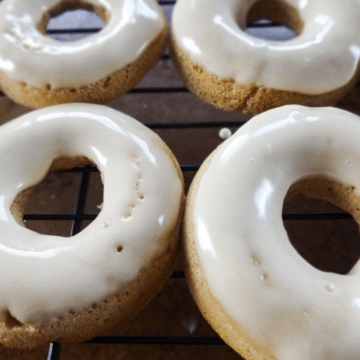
point(37, 71)
point(227, 68)
point(71, 289)
point(249, 282)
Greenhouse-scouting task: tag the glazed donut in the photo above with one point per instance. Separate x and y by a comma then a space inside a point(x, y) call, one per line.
point(37, 71)
point(249, 282)
point(71, 289)
point(227, 68)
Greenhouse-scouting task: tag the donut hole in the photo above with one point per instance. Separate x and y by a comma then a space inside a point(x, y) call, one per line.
point(273, 20)
point(65, 201)
point(322, 231)
point(72, 20)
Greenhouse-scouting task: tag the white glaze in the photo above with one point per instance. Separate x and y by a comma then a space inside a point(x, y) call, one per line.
point(30, 56)
point(287, 306)
point(225, 133)
point(46, 276)
point(322, 58)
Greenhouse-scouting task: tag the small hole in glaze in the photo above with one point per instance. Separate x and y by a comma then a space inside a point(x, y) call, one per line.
point(119, 249)
point(255, 260)
point(10, 321)
point(107, 82)
point(264, 276)
point(127, 216)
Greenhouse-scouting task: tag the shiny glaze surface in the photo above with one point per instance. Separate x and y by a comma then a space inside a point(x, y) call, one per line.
point(47, 276)
point(322, 58)
point(287, 306)
point(30, 56)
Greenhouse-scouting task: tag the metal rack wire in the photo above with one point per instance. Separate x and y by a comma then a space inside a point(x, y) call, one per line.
point(80, 215)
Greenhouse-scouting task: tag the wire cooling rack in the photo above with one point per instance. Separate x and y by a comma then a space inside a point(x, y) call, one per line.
point(81, 215)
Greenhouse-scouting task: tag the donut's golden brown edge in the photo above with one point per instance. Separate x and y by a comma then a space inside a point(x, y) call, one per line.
point(226, 94)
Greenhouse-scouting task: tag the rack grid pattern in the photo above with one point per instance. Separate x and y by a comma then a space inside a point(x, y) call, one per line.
point(81, 215)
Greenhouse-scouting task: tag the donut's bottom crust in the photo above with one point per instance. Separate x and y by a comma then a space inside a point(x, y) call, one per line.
point(232, 333)
point(226, 94)
point(101, 91)
point(99, 318)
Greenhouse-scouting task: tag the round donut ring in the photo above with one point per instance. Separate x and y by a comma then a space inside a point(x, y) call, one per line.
point(71, 289)
point(37, 71)
point(250, 283)
point(234, 71)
